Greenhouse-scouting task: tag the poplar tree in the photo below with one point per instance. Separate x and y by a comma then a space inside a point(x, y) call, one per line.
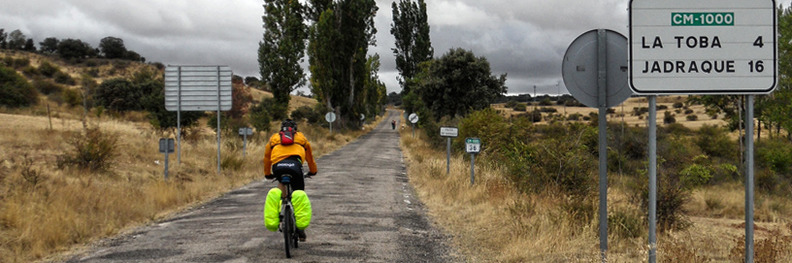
point(337, 51)
point(282, 49)
point(413, 44)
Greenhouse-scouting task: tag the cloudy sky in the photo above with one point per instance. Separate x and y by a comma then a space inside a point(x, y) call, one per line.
point(524, 38)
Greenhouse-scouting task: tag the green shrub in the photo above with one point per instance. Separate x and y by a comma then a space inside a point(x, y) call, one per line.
point(678, 105)
point(30, 71)
point(486, 124)
point(71, 97)
point(47, 87)
point(305, 113)
point(63, 78)
point(15, 90)
point(688, 111)
point(519, 107)
point(774, 154)
point(547, 110)
point(671, 199)
point(691, 117)
point(574, 117)
point(93, 150)
point(512, 104)
point(48, 69)
point(18, 63)
point(714, 141)
point(695, 175)
point(119, 94)
point(625, 223)
point(668, 118)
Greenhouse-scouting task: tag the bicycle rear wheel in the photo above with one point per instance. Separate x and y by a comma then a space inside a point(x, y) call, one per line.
point(288, 229)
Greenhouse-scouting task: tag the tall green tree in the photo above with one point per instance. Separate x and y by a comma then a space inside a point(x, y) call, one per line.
point(413, 44)
point(775, 107)
point(112, 47)
point(49, 45)
point(16, 40)
point(337, 51)
point(374, 94)
point(75, 49)
point(3, 38)
point(457, 83)
point(282, 49)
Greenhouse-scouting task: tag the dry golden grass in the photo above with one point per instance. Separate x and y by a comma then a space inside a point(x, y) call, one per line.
point(624, 112)
point(68, 207)
point(491, 221)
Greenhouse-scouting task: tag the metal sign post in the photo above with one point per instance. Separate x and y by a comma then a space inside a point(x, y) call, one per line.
point(595, 72)
point(652, 179)
point(473, 147)
point(448, 132)
point(413, 118)
point(330, 118)
point(198, 88)
point(245, 132)
point(749, 180)
point(166, 146)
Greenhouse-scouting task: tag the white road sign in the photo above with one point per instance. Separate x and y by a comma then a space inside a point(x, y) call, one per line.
point(473, 145)
point(413, 118)
point(197, 88)
point(245, 131)
point(330, 117)
point(703, 46)
point(449, 132)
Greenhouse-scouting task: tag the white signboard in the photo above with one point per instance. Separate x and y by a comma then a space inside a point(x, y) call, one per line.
point(413, 118)
point(703, 46)
point(473, 145)
point(245, 131)
point(449, 132)
point(197, 88)
point(330, 117)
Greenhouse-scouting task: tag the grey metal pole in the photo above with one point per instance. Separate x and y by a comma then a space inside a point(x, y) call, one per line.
point(749, 181)
point(602, 99)
point(244, 144)
point(178, 119)
point(166, 162)
point(331, 127)
point(448, 155)
point(652, 179)
point(472, 170)
point(218, 120)
point(413, 130)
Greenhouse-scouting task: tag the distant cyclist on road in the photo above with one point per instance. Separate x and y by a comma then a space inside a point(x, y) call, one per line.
point(285, 154)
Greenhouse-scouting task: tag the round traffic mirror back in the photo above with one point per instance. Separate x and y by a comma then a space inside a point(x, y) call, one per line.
point(580, 68)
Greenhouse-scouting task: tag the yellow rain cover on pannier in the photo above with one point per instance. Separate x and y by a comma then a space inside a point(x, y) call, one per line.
point(302, 209)
point(272, 209)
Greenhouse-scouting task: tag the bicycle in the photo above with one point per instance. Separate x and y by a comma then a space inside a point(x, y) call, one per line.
point(288, 221)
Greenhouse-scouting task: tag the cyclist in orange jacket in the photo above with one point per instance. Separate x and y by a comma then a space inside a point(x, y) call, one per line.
point(285, 153)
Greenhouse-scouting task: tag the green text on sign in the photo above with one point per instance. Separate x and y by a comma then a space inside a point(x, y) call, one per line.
point(473, 141)
point(702, 19)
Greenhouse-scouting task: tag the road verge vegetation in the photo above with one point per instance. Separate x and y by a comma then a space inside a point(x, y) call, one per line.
point(535, 192)
point(65, 183)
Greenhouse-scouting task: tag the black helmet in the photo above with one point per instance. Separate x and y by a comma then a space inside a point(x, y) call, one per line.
point(288, 123)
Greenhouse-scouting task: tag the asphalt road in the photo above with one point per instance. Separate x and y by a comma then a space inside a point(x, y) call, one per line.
point(364, 211)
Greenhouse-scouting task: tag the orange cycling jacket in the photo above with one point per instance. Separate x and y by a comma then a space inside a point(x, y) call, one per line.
point(276, 152)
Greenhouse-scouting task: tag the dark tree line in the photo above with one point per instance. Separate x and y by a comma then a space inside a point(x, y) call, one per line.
point(69, 49)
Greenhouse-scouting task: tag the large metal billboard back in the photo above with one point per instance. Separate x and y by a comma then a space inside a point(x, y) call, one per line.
point(703, 47)
point(198, 88)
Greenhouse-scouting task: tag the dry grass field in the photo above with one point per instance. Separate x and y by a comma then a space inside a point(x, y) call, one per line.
point(492, 221)
point(625, 112)
point(46, 209)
